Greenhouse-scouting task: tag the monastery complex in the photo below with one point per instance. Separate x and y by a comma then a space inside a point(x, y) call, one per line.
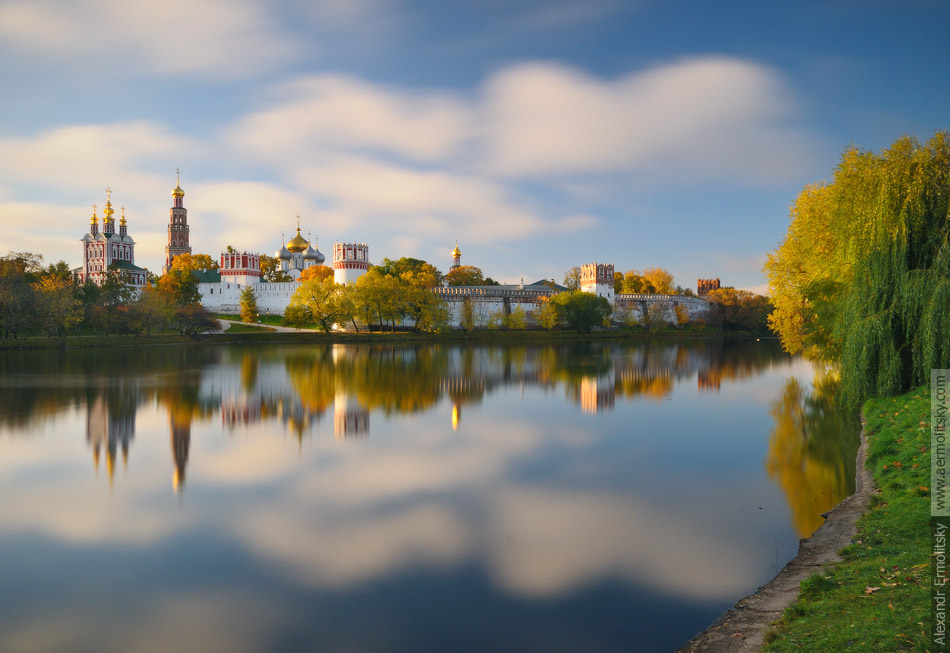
point(221, 290)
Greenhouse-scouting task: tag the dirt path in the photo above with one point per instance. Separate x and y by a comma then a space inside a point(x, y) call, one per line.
point(743, 627)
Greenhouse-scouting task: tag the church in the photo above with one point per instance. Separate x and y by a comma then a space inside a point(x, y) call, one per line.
point(109, 249)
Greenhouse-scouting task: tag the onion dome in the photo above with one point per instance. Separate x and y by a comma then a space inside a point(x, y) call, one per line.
point(122, 219)
point(298, 243)
point(94, 219)
point(456, 252)
point(313, 254)
point(283, 254)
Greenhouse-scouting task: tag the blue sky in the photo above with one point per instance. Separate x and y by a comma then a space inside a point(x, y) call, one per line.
point(540, 135)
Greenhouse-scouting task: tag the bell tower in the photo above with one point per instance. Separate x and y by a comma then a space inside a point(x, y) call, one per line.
point(178, 242)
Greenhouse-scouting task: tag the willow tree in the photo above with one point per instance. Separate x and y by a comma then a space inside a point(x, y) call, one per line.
point(863, 275)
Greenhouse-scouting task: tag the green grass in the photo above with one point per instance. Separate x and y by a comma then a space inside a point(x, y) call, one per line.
point(877, 599)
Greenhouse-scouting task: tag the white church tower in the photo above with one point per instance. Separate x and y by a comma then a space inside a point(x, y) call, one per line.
point(598, 278)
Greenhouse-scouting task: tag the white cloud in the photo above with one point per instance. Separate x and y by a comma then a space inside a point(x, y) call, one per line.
point(233, 38)
point(313, 115)
point(712, 117)
point(87, 157)
point(440, 204)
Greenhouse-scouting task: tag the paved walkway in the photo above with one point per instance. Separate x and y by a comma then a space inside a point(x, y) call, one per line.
point(226, 324)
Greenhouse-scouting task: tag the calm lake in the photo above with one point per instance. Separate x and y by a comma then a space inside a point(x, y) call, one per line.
point(594, 496)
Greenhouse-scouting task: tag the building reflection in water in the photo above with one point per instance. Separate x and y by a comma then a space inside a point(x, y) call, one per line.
point(295, 387)
point(181, 443)
point(110, 426)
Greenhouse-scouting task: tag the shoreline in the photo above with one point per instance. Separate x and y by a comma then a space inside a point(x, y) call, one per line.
point(317, 337)
point(743, 627)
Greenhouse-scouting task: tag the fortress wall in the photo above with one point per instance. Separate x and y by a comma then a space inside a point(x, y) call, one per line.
point(225, 297)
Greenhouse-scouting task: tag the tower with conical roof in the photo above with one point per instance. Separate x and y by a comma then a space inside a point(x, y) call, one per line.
point(178, 240)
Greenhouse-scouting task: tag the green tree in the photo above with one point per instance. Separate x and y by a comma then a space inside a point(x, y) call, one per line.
point(150, 310)
point(192, 319)
point(57, 308)
point(249, 311)
point(618, 283)
point(740, 310)
point(581, 310)
point(18, 271)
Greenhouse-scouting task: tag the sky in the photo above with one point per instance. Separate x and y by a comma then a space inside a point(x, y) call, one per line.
point(539, 135)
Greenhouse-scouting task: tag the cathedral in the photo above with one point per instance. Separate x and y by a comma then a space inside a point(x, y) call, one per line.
point(109, 249)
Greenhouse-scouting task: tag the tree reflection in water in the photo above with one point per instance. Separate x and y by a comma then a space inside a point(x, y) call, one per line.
point(812, 450)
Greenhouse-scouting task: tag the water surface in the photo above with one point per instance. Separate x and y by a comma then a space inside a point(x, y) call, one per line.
point(597, 496)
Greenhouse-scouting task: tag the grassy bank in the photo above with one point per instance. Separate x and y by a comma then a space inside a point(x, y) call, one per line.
point(877, 599)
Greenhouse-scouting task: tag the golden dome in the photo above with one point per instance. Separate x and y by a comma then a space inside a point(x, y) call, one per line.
point(298, 243)
point(178, 193)
point(456, 252)
point(107, 212)
point(94, 219)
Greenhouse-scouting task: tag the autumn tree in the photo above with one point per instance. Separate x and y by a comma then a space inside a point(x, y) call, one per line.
point(194, 262)
point(316, 273)
point(321, 299)
point(411, 270)
point(271, 272)
point(660, 279)
point(465, 275)
point(249, 311)
point(862, 275)
point(634, 282)
point(572, 278)
point(618, 283)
